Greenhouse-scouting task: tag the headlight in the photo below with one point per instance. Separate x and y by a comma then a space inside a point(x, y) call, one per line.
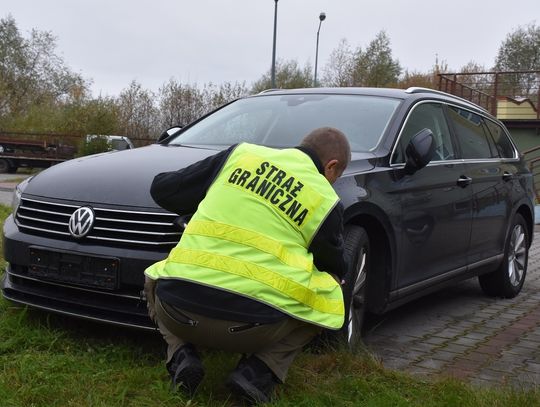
point(16, 199)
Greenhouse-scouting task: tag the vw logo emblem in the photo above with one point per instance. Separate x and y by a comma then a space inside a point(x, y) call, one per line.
point(81, 222)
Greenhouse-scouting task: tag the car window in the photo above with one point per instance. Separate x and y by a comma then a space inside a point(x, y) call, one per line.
point(283, 120)
point(471, 134)
point(502, 142)
point(426, 116)
point(239, 127)
point(119, 144)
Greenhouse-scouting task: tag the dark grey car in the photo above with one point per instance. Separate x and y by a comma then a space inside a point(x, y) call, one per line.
point(436, 192)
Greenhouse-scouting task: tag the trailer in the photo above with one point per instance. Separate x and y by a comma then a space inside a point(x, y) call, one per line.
point(16, 153)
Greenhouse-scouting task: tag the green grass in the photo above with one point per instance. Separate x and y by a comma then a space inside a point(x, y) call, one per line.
point(47, 360)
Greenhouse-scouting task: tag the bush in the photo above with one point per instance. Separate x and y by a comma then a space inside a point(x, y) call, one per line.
point(94, 145)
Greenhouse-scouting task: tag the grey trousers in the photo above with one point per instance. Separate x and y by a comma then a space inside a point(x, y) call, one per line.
point(275, 344)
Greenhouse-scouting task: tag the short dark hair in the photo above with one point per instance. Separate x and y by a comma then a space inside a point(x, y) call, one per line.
point(329, 144)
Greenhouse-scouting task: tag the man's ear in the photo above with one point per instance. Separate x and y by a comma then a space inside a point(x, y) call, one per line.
point(331, 170)
point(331, 165)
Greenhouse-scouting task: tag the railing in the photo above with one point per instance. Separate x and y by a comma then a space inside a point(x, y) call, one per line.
point(512, 95)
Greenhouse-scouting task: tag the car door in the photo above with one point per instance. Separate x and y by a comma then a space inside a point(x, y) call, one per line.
point(492, 179)
point(435, 204)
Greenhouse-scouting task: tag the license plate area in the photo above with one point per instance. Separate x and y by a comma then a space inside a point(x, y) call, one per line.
point(74, 268)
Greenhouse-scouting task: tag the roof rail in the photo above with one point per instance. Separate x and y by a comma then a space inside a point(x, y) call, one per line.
point(415, 89)
point(268, 90)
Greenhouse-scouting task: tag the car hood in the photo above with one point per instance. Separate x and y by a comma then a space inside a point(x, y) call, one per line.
point(114, 178)
point(124, 177)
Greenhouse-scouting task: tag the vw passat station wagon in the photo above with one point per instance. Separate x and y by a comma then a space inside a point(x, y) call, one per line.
point(436, 192)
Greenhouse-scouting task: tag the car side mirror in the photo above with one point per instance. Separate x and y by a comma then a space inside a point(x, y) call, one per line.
point(419, 151)
point(169, 132)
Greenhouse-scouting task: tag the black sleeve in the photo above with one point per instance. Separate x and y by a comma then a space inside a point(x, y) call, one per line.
point(327, 245)
point(181, 191)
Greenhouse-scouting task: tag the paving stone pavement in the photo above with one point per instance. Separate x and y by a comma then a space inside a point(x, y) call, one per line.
point(463, 333)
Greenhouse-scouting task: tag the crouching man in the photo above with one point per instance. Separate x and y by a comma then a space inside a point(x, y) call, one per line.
point(256, 269)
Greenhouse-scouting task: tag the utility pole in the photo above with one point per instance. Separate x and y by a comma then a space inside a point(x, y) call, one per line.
point(322, 17)
point(274, 47)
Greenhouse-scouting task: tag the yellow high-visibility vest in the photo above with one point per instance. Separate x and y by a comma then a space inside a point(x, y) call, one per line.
point(251, 232)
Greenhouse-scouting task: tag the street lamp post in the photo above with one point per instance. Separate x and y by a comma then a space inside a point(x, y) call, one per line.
point(322, 17)
point(274, 47)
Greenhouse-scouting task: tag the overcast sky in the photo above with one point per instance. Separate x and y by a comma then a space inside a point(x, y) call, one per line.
point(113, 42)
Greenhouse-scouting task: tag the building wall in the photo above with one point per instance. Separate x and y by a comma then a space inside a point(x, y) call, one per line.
point(509, 109)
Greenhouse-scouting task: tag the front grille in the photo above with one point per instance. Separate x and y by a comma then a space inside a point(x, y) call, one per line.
point(114, 226)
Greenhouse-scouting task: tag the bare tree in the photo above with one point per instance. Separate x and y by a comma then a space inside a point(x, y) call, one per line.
point(31, 72)
point(137, 113)
point(418, 79)
point(179, 104)
point(338, 71)
point(289, 75)
point(375, 66)
point(216, 96)
point(520, 51)
point(478, 81)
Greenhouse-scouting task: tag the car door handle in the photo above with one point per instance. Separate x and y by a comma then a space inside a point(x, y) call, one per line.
point(464, 181)
point(507, 176)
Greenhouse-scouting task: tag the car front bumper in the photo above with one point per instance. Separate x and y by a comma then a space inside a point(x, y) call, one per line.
point(124, 306)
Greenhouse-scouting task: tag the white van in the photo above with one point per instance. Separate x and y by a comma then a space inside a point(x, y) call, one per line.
point(115, 142)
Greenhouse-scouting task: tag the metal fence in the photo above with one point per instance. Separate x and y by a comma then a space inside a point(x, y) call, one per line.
point(512, 95)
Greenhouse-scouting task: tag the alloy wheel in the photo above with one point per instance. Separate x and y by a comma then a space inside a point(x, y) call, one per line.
point(357, 304)
point(517, 255)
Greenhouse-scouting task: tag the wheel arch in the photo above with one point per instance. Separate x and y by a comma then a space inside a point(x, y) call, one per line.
point(525, 211)
point(382, 257)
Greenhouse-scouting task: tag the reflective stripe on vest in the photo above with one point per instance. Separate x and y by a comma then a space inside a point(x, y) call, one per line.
point(249, 238)
point(261, 274)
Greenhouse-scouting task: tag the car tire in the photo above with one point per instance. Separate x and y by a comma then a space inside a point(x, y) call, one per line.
point(357, 256)
point(508, 279)
point(4, 166)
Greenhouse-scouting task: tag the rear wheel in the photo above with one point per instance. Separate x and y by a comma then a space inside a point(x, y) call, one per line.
point(4, 166)
point(508, 279)
point(354, 290)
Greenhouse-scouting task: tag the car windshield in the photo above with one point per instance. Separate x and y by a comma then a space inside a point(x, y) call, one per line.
point(283, 120)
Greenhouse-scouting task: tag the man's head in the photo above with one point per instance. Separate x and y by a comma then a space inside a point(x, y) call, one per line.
point(332, 148)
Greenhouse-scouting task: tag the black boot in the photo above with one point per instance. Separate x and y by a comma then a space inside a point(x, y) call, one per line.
point(186, 369)
point(252, 381)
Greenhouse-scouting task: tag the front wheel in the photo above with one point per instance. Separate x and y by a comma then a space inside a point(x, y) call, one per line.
point(508, 279)
point(357, 255)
